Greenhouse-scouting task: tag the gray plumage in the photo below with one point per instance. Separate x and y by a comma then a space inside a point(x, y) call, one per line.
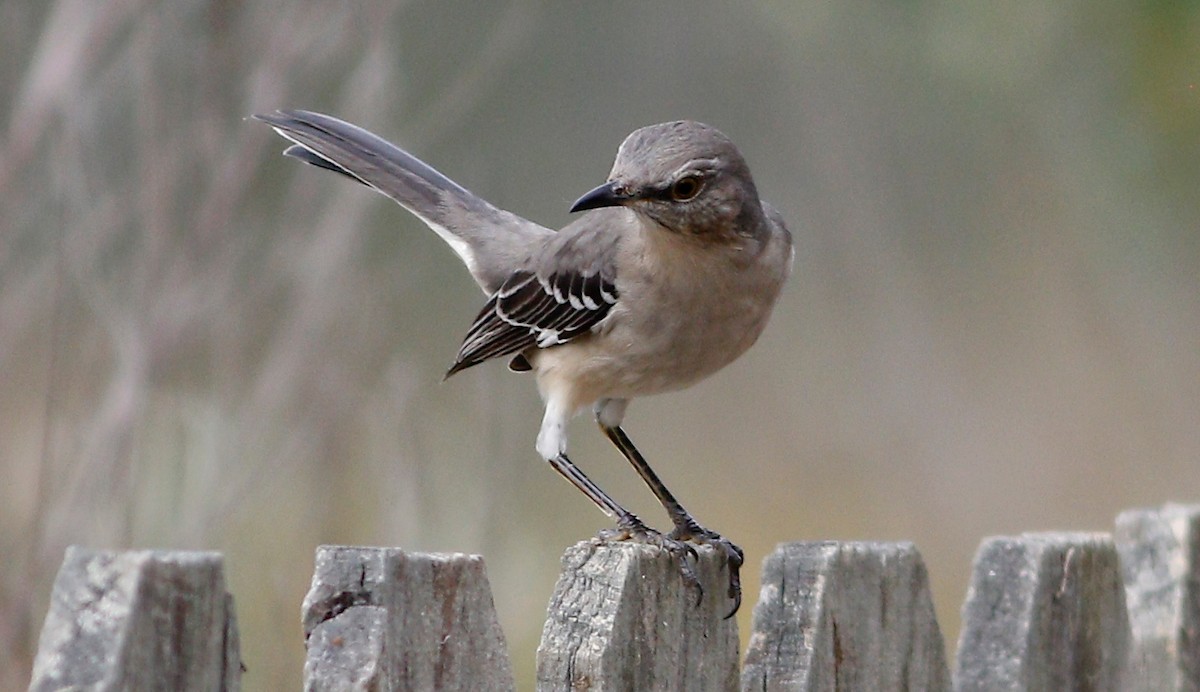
point(669, 274)
point(490, 241)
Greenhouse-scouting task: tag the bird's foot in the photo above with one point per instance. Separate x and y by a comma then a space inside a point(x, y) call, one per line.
point(632, 529)
point(686, 529)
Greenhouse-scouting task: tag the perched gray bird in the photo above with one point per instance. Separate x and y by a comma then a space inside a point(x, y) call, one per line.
point(669, 276)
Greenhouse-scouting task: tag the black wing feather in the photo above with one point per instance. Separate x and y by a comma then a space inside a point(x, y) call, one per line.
point(531, 312)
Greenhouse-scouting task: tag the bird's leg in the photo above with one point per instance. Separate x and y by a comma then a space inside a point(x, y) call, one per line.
point(552, 445)
point(686, 527)
point(627, 521)
point(629, 526)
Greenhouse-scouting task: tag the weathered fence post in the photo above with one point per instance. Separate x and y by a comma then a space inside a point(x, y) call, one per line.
point(1044, 612)
point(1160, 557)
point(622, 618)
point(383, 619)
point(845, 616)
point(139, 620)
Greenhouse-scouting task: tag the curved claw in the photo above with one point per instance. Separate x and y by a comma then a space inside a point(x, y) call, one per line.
point(735, 589)
point(734, 557)
point(690, 578)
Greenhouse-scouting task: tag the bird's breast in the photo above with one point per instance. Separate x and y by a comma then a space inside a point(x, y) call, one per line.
point(680, 318)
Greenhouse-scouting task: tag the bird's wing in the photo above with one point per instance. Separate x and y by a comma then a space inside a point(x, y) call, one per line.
point(568, 290)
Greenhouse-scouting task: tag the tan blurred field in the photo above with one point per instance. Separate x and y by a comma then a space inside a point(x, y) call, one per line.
point(993, 325)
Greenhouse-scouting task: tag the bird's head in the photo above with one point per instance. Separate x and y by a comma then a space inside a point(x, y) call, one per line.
point(686, 176)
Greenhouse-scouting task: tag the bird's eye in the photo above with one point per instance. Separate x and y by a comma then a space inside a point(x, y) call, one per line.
point(685, 188)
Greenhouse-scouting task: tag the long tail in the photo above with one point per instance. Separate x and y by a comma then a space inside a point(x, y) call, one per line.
point(490, 241)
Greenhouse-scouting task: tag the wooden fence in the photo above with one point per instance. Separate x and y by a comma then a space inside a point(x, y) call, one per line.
point(1053, 611)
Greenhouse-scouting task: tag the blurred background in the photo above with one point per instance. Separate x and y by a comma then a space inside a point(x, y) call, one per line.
point(993, 325)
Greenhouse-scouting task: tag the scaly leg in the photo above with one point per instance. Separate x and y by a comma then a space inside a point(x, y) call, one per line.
point(629, 526)
point(552, 447)
point(686, 527)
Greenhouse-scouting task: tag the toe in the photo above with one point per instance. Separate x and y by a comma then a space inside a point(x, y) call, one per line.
point(637, 532)
point(734, 557)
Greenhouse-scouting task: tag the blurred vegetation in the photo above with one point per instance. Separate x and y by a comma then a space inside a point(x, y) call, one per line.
point(993, 327)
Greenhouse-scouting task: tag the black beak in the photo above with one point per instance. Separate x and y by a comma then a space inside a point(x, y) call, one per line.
point(607, 195)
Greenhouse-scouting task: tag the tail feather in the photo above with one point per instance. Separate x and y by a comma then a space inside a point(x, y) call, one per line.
point(490, 241)
point(307, 156)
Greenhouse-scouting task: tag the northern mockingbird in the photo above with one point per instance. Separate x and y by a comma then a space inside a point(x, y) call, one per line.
point(669, 276)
